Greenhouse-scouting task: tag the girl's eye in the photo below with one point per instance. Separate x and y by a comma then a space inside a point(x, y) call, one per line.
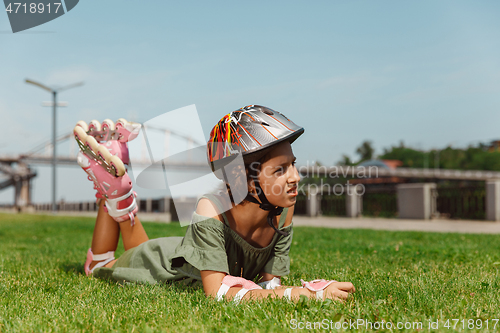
point(281, 170)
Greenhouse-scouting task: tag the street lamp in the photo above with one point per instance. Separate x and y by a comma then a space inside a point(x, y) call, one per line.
point(54, 105)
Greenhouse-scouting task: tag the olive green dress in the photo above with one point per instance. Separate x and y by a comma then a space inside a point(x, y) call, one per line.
point(208, 244)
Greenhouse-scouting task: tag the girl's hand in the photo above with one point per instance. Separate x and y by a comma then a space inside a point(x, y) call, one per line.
point(339, 291)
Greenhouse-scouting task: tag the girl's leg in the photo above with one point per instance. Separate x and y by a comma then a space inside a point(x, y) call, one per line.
point(132, 235)
point(106, 234)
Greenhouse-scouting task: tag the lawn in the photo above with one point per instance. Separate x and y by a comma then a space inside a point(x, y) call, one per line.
point(401, 277)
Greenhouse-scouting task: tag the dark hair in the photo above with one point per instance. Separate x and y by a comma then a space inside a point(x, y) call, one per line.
point(252, 169)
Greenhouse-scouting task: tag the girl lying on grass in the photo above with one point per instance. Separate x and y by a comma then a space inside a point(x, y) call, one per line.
point(226, 246)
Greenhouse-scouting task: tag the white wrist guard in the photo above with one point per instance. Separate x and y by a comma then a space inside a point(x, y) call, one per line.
point(239, 295)
point(231, 281)
point(288, 294)
point(224, 288)
point(271, 284)
point(317, 286)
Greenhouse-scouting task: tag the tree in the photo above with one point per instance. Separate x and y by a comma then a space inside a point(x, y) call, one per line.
point(411, 158)
point(346, 160)
point(470, 158)
point(365, 151)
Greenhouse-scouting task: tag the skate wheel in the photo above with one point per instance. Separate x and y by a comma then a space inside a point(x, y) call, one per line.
point(128, 130)
point(122, 122)
point(94, 125)
point(104, 153)
point(91, 142)
point(83, 125)
point(117, 165)
point(108, 125)
point(80, 133)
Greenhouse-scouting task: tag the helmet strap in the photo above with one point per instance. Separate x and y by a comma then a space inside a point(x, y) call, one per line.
point(226, 182)
point(264, 204)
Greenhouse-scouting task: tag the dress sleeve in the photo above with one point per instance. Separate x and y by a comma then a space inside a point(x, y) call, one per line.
point(203, 246)
point(279, 261)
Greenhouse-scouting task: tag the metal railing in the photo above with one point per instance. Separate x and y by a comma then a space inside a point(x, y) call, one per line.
point(300, 205)
point(333, 205)
point(380, 203)
point(462, 202)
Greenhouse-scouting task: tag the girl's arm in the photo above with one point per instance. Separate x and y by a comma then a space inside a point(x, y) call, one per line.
point(212, 281)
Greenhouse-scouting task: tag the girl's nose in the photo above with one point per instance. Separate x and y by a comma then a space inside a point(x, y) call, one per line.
point(294, 176)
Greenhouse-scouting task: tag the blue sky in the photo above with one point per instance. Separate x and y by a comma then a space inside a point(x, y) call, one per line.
point(425, 72)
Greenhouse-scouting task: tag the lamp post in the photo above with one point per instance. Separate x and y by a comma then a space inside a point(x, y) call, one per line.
point(54, 112)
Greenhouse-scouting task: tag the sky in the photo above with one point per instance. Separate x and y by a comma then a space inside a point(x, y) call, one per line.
point(423, 72)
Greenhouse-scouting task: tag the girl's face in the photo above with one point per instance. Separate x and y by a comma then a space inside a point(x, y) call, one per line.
point(279, 177)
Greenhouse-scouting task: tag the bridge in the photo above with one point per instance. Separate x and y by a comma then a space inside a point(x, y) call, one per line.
point(16, 170)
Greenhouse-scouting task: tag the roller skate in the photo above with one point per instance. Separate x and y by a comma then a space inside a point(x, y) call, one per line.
point(114, 136)
point(103, 155)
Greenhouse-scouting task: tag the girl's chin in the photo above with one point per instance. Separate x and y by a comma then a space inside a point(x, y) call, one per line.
point(289, 201)
point(286, 202)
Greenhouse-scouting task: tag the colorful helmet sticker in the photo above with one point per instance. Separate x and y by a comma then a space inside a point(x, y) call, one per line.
point(248, 130)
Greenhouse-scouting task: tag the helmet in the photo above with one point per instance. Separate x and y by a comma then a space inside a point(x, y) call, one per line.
point(251, 131)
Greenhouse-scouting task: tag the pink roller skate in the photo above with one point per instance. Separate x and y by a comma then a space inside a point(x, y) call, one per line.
point(103, 161)
point(114, 136)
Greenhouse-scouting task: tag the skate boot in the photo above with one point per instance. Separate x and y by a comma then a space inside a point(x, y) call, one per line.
point(106, 170)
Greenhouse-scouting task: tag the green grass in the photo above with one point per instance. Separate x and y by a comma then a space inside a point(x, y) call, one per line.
point(399, 276)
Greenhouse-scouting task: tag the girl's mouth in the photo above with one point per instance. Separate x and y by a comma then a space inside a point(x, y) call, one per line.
point(293, 191)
